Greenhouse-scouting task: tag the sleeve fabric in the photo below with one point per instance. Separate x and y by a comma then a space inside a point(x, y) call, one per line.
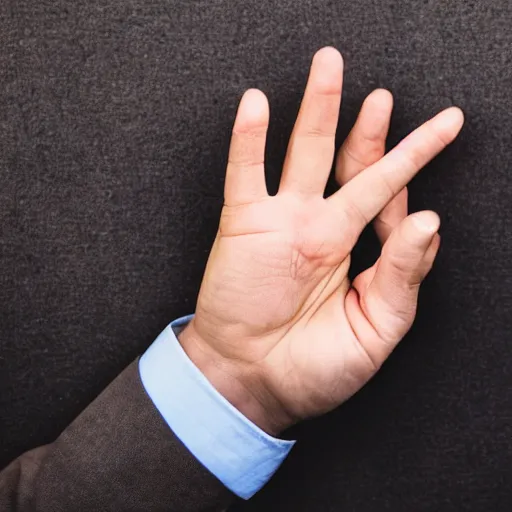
point(241, 455)
point(118, 455)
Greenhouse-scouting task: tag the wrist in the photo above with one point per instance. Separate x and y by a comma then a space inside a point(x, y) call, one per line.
point(241, 385)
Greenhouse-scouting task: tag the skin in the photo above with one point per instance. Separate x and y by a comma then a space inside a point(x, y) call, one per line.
point(279, 329)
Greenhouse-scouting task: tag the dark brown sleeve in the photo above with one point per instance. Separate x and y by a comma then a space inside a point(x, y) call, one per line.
point(118, 455)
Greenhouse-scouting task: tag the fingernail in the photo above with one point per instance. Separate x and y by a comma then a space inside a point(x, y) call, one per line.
point(427, 222)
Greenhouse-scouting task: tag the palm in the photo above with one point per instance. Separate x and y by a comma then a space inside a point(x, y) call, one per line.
point(291, 246)
point(298, 279)
point(276, 297)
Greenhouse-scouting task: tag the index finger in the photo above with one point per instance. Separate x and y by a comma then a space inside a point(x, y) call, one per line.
point(363, 197)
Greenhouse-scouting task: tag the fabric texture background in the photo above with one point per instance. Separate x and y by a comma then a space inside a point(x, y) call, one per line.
point(115, 118)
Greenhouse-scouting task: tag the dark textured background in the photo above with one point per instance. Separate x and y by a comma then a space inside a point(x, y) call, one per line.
point(115, 118)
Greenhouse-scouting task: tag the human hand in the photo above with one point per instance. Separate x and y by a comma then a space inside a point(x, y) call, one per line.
point(279, 329)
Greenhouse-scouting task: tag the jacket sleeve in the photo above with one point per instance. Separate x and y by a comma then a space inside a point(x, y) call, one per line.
point(118, 455)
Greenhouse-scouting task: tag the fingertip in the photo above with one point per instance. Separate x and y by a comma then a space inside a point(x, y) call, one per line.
point(449, 122)
point(253, 111)
point(459, 114)
point(372, 124)
point(456, 116)
point(328, 55)
point(326, 74)
point(254, 93)
point(427, 222)
point(255, 101)
point(381, 98)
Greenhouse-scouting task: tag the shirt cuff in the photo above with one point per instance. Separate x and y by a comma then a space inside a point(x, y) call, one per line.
point(241, 455)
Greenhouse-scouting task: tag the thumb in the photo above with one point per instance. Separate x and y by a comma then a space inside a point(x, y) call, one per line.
point(389, 290)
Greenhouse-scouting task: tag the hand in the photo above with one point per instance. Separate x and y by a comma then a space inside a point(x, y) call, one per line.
point(279, 329)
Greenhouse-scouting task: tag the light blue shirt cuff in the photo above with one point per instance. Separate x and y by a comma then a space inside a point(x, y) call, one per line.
point(241, 455)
